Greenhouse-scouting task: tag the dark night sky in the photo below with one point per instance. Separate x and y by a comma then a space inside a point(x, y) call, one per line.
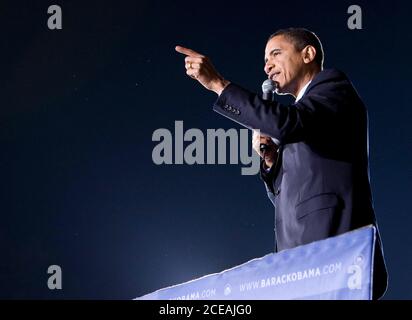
point(79, 106)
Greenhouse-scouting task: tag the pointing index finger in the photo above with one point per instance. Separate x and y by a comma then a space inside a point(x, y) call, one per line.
point(187, 51)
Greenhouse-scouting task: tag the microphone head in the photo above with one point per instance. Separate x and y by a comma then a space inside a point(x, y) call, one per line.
point(268, 86)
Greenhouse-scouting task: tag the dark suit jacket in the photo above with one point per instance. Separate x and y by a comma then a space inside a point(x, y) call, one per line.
point(320, 183)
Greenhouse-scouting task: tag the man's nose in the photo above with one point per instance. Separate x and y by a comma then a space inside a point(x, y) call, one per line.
point(268, 67)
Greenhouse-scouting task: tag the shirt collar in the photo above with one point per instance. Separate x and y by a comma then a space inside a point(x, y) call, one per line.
point(302, 91)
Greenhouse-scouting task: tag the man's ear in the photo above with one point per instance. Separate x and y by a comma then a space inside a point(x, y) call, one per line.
point(308, 54)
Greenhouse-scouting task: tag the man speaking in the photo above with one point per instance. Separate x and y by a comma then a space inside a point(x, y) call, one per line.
point(315, 151)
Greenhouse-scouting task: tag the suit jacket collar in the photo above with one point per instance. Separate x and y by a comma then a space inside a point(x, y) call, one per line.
point(326, 75)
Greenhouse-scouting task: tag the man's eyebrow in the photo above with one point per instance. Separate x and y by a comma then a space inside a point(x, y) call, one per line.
point(271, 52)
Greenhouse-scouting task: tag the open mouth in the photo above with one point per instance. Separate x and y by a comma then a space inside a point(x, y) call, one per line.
point(274, 75)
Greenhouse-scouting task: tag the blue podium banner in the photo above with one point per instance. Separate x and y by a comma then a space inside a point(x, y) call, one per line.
point(335, 268)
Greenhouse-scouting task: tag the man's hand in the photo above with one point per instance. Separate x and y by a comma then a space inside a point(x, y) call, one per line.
point(200, 68)
point(270, 155)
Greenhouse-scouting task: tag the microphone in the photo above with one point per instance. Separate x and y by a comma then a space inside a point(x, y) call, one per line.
point(268, 89)
point(268, 94)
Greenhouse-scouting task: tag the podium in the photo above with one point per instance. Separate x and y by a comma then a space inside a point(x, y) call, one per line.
point(337, 268)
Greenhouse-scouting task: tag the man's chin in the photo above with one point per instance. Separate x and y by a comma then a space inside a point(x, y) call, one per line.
point(279, 91)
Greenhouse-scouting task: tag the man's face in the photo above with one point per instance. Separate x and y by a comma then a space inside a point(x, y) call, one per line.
point(283, 64)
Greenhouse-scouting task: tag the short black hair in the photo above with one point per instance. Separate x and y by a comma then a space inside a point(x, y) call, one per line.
point(301, 37)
